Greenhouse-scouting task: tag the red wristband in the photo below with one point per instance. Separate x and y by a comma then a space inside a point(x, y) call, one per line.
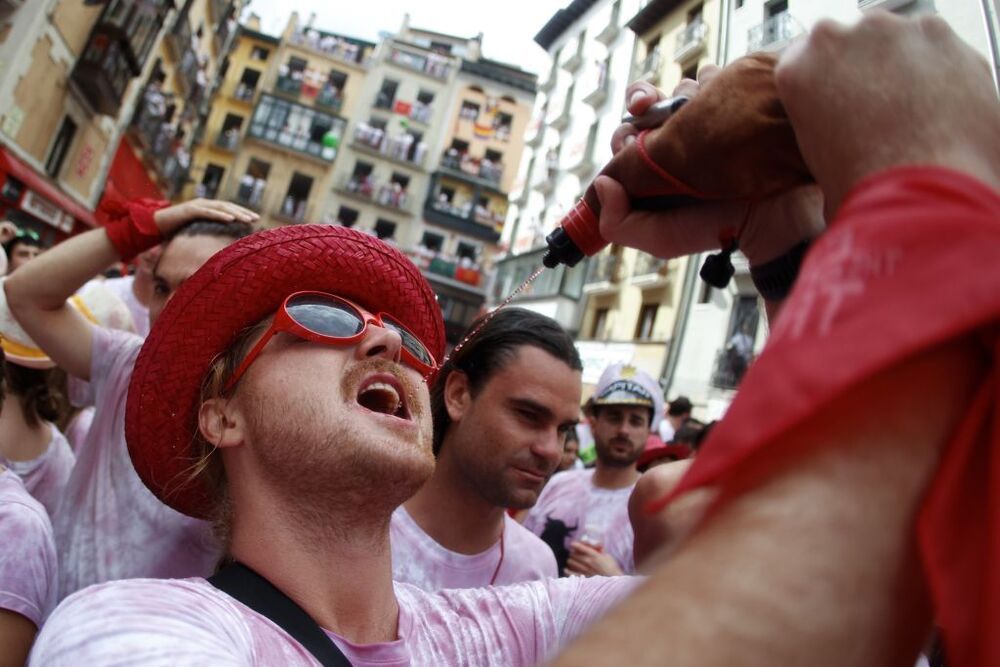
point(132, 229)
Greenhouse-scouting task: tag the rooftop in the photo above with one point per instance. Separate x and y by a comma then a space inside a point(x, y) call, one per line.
point(259, 36)
point(502, 73)
point(560, 21)
point(651, 14)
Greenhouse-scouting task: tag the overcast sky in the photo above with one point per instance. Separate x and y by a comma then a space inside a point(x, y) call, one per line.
point(508, 27)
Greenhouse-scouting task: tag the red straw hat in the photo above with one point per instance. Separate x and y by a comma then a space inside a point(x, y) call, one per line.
point(238, 287)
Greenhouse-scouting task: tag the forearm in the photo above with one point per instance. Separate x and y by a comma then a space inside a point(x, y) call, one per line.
point(46, 282)
point(818, 563)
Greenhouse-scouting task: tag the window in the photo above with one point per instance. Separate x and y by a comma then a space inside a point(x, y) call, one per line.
point(739, 3)
point(387, 94)
point(694, 14)
point(384, 229)
point(441, 47)
point(447, 194)
point(296, 64)
point(495, 157)
point(337, 79)
point(469, 110)
point(60, 147)
point(293, 206)
point(432, 241)
point(425, 97)
point(259, 53)
point(460, 146)
point(251, 189)
point(467, 250)
point(211, 180)
point(296, 127)
point(402, 179)
point(346, 216)
point(647, 319)
point(362, 169)
point(775, 7)
point(600, 323)
point(229, 137)
point(691, 72)
point(248, 84)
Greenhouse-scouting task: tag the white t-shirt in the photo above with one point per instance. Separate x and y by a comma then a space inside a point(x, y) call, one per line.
point(45, 476)
point(27, 553)
point(188, 622)
point(419, 560)
point(109, 525)
point(122, 287)
point(666, 430)
point(570, 507)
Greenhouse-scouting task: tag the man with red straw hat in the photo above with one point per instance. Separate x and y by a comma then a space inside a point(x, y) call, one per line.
point(298, 422)
point(107, 525)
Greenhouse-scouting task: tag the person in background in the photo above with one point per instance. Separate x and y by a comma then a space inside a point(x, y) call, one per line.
point(24, 246)
point(503, 406)
point(678, 411)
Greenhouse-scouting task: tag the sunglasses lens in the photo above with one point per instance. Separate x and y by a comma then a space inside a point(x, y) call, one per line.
point(410, 342)
point(325, 316)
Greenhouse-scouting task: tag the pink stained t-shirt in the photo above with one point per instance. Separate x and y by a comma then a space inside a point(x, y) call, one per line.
point(419, 560)
point(571, 508)
point(45, 476)
point(109, 525)
point(27, 552)
point(188, 622)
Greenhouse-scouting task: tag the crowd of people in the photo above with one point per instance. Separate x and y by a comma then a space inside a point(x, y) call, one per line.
point(269, 460)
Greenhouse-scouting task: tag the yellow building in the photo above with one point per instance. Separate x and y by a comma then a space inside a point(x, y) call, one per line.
point(73, 84)
point(280, 119)
point(633, 299)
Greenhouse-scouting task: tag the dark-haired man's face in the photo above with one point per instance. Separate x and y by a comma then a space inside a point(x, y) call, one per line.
point(620, 433)
point(508, 438)
point(180, 259)
point(21, 254)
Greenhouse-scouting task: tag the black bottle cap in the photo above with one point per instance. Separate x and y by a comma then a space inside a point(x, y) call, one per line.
point(718, 269)
point(562, 250)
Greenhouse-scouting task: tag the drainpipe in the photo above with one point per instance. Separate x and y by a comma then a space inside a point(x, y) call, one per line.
point(680, 324)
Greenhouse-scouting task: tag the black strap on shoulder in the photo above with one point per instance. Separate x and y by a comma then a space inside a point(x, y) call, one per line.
point(256, 592)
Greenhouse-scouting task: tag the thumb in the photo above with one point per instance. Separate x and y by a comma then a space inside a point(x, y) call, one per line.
point(615, 204)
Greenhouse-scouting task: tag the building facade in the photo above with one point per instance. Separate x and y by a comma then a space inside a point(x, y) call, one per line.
point(72, 86)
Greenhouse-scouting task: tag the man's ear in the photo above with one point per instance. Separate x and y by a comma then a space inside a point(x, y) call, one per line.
point(457, 395)
point(220, 424)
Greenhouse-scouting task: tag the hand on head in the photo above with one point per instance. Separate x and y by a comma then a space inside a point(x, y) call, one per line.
point(172, 218)
point(886, 92)
point(775, 224)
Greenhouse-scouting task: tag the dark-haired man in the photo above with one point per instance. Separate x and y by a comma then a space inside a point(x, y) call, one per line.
point(583, 514)
point(107, 524)
point(502, 406)
point(25, 246)
point(678, 411)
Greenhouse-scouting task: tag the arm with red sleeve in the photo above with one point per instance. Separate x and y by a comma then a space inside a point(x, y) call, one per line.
point(853, 469)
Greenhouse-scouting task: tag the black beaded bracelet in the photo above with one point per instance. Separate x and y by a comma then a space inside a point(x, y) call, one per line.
point(774, 279)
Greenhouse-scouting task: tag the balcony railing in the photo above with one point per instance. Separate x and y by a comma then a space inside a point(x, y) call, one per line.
point(330, 98)
point(691, 40)
point(466, 165)
point(600, 94)
point(648, 265)
point(333, 46)
point(430, 64)
point(244, 93)
point(225, 34)
point(188, 70)
point(603, 269)
point(611, 30)
point(292, 209)
point(574, 61)
point(731, 364)
point(463, 270)
point(475, 221)
point(289, 85)
point(218, 9)
point(296, 127)
point(228, 140)
point(250, 192)
point(104, 71)
point(649, 68)
point(396, 147)
point(550, 82)
point(392, 196)
point(773, 33)
point(178, 40)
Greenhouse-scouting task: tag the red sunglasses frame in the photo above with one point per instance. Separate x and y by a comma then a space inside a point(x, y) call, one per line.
point(284, 323)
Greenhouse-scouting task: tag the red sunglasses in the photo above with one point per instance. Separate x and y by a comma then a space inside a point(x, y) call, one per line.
point(324, 318)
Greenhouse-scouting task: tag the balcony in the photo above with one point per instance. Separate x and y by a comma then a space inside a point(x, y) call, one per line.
point(600, 94)
point(603, 271)
point(536, 139)
point(244, 93)
point(178, 40)
point(468, 219)
point(397, 148)
point(479, 171)
point(690, 41)
point(731, 364)
point(218, 9)
point(561, 122)
point(291, 211)
point(250, 193)
point(331, 99)
point(104, 71)
point(573, 63)
point(225, 34)
point(390, 196)
point(417, 60)
point(649, 68)
point(345, 49)
point(773, 34)
point(160, 150)
point(289, 85)
point(459, 269)
point(297, 128)
point(228, 140)
point(608, 34)
point(188, 70)
point(549, 83)
point(650, 271)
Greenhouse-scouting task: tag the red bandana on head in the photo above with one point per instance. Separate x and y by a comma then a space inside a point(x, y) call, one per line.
point(883, 267)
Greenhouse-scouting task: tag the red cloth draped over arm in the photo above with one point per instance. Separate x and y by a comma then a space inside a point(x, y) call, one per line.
point(912, 261)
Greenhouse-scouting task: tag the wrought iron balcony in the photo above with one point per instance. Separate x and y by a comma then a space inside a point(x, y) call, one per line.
point(600, 94)
point(773, 34)
point(649, 268)
point(604, 269)
point(391, 196)
point(465, 220)
point(244, 93)
point(469, 168)
point(228, 141)
point(691, 40)
point(288, 85)
point(423, 62)
point(178, 40)
point(573, 63)
point(330, 98)
point(649, 67)
point(612, 29)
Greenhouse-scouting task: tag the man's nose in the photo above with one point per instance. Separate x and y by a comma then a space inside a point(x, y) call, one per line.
point(379, 342)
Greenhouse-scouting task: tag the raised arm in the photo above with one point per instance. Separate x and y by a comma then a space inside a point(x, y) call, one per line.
point(37, 292)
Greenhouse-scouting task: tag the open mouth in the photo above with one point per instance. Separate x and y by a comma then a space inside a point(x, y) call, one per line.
point(383, 393)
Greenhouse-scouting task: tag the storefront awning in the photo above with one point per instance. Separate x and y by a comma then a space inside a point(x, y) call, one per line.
point(43, 188)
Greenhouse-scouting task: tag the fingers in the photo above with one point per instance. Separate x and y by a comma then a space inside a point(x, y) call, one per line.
point(214, 209)
point(707, 73)
point(639, 96)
